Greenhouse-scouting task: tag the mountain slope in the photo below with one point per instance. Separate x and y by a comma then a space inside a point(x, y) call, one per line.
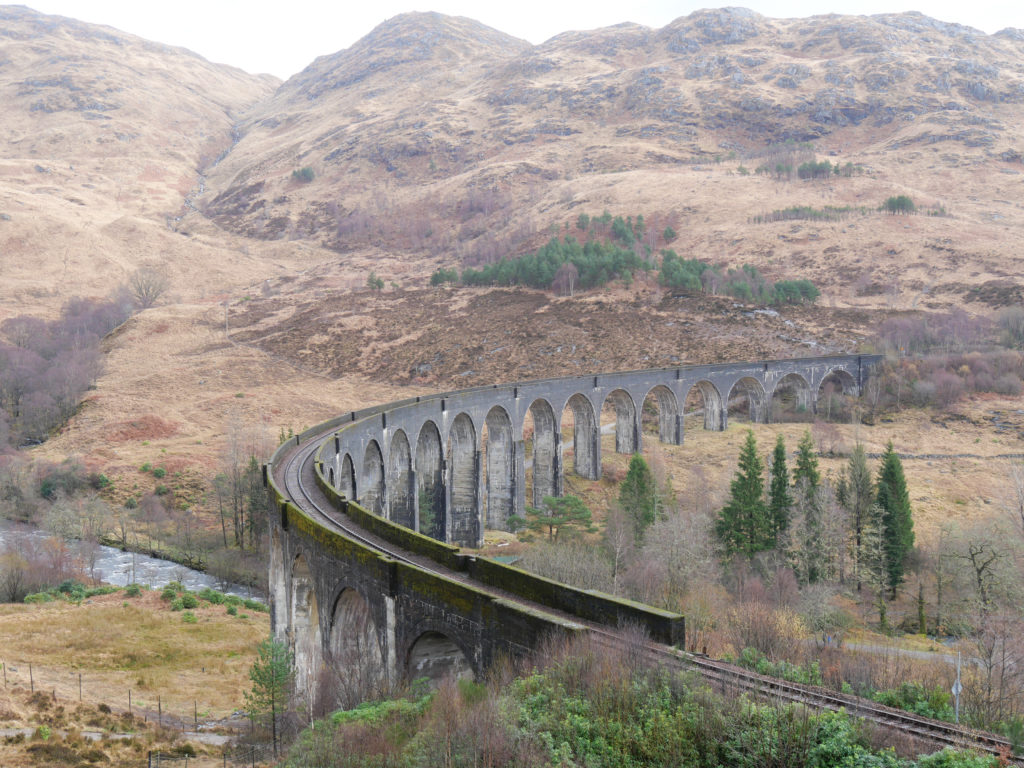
point(104, 135)
point(437, 141)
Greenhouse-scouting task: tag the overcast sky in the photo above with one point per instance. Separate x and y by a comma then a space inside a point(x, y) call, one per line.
point(283, 36)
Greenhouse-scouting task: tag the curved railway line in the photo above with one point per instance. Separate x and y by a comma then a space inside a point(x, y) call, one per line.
point(297, 480)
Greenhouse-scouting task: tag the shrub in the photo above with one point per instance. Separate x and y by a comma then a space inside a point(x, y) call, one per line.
point(161, 490)
point(189, 618)
point(188, 600)
point(443, 276)
point(211, 596)
point(132, 590)
point(255, 605)
point(168, 593)
point(39, 597)
point(177, 604)
point(899, 204)
point(147, 467)
point(159, 472)
point(232, 610)
point(303, 175)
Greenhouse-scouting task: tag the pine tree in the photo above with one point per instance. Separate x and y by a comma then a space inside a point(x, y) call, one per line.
point(637, 495)
point(742, 524)
point(806, 465)
point(271, 676)
point(897, 522)
point(780, 502)
point(859, 498)
point(559, 514)
point(873, 562)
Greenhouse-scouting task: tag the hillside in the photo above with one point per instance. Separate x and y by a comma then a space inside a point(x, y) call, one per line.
point(437, 141)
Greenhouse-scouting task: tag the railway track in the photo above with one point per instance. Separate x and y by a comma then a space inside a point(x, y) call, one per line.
point(297, 478)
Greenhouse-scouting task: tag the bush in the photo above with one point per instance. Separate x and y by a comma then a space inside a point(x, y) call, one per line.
point(444, 276)
point(168, 593)
point(161, 490)
point(899, 204)
point(255, 605)
point(303, 175)
point(188, 600)
point(39, 597)
point(159, 472)
point(189, 618)
point(177, 604)
point(132, 590)
point(211, 596)
point(232, 610)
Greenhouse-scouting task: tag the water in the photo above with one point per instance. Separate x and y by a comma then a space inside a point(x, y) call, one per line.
point(122, 568)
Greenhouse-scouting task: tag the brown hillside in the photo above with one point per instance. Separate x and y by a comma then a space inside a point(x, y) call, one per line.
point(436, 141)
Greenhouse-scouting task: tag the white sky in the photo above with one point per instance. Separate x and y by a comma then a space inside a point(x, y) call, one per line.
point(283, 36)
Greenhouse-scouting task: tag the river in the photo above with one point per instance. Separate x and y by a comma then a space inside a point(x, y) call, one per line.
point(121, 568)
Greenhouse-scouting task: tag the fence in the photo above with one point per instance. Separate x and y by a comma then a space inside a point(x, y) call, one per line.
point(244, 755)
point(73, 686)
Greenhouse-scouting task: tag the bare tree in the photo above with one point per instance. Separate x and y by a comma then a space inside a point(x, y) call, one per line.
point(147, 285)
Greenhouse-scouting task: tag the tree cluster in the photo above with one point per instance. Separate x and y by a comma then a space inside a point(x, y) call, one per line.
point(746, 284)
point(595, 262)
point(47, 365)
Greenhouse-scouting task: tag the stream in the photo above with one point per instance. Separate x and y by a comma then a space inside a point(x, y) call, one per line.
point(122, 568)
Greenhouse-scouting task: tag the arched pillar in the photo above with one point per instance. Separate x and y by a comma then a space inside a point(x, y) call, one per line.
point(355, 656)
point(670, 425)
point(466, 527)
point(627, 425)
point(715, 417)
point(435, 656)
point(586, 438)
point(431, 511)
point(401, 484)
point(372, 480)
point(501, 478)
point(347, 478)
point(306, 639)
point(791, 392)
point(547, 453)
point(757, 400)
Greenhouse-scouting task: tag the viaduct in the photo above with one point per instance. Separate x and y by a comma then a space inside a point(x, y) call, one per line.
point(368, 583)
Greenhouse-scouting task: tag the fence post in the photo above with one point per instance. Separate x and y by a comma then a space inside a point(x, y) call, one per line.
point(129, 701)
point(160, 711)
point(31, 680)
point(149, 759)
point(79, 686)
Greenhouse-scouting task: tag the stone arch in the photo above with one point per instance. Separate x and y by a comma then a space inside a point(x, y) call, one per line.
point(355, 657)
point(399, 481)
point(626, 437)
point(347, 481)
point(278, 588)
point(372, 478)
point(834, 399)
point(586, 436)
point(791, 399)
point(704, 399)
point(305, 625)
point(430, 518)
point(464, 473)
point(544, 459)
point(500, 453)
point(747, 399)
point(435, 656)
point(660, 414)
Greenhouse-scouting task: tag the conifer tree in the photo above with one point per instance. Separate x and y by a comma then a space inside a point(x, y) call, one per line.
point(637, 495)
point(897, 524)
point(806, 465)
point(859, 498)
point(272, 677)
point(780, 502)
point(742, 524)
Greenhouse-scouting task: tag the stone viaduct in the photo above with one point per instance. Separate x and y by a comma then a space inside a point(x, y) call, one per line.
point(464, 454)
point(367, 580)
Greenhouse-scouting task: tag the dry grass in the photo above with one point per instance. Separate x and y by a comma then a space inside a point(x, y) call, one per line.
point(120, 643)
